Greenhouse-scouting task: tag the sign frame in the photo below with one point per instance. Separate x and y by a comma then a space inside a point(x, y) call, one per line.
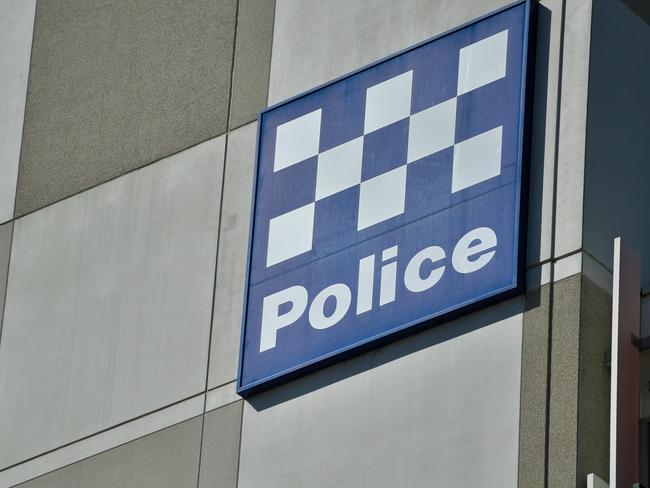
point(476, 303)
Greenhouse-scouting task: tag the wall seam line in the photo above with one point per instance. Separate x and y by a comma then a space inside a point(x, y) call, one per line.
point(549, 352)
point(216, 260)
point(29, 79)
point(103, 431)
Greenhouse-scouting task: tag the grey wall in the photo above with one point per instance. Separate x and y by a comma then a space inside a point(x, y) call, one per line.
point(126, 282)
point(618, 147)
point(166, 459)
point(118, 84)
point(109, 303)
point(16, 26)
point(441, 406)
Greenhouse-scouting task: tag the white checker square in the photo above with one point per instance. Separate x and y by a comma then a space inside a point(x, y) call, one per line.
point(290, 234)
point(477, 159)
point(388, 102)
point(482, 62)
point(382, 197)
point(297, 140)
point(432, 130)
point(339, 168)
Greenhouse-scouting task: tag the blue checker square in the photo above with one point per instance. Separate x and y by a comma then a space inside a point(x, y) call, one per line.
point(387, 200)
point(385, 149)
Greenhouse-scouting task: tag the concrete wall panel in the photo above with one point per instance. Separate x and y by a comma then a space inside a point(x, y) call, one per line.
point(109, 303)
point(166, 459)
point(250, 82)
point(441, 406)
point(563, 403)
point(6, 232)
point(16, 28)
point(315, 41)
point(220, 450)
point(117, 84)
point(544, 132)
point(103, 441)
point(534, 388)
point(593, 396)
point(572, 126)
point(617, 174)
point(233, 251)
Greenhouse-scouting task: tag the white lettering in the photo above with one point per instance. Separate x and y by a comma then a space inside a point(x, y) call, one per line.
point(272, 321)
point(472, 252)
point(464, 250)
point(365, 284)
point(413, 279)
point(343, 296)
point(388, 277)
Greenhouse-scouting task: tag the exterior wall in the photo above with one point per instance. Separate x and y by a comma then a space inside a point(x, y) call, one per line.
point(415, 410)
point(111, 282)
point(616, 196)
point(110, 294)
point(16, 25)
point(125, 264)
point(168, 458)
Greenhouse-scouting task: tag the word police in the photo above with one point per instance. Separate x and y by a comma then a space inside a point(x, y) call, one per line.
point(424, 270)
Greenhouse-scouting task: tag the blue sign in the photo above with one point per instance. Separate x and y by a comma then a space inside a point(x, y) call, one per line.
point(385, 199)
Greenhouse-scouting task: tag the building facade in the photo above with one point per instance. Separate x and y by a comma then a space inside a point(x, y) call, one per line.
point(128, 132)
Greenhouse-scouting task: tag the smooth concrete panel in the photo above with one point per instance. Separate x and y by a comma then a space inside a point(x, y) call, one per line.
point(315, 41)
point(223, 395)
point(220, 449)
point(544, 132)
point(440, 406)
point(233, 251)
point(572, 134)
point(617, 173)
point(534, 388)
point(108, 303)
point(166, 459)
point(103, 441)
point(250, 82)
point(16, 28)
point(6, 232)
point(117, 84)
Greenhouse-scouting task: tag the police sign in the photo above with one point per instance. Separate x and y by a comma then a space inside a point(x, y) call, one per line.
point(387, 199)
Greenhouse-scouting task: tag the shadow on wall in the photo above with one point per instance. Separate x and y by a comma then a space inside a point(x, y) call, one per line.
point(468, 323)
point(537, 184)
point(373, 359)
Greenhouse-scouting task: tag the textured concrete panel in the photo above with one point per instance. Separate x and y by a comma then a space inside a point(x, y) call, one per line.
point(250, 82)
point(534, 388)
point(109, 302)
point(315, 41)
point(6, 232)
point(563, 408)
point(233, 250)
point(593, 396)
point(117, 84)
point(16, 26)
point(616, 202)
point(220, 450)
point(166, 459)
point(440, 406)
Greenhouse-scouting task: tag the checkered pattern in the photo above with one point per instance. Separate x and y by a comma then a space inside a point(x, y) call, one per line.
point(382, 194)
